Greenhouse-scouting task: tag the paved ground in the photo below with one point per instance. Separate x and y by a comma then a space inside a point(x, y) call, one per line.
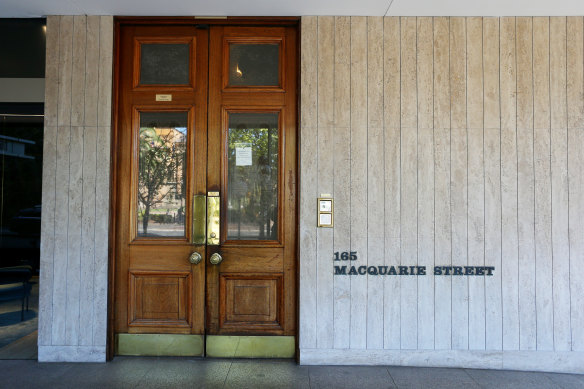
point(143, 372)
point(134, 372)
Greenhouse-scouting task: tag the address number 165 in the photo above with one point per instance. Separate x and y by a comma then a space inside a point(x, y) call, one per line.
point(345, 256)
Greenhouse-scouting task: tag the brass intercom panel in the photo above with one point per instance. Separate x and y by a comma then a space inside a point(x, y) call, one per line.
point(325, 212)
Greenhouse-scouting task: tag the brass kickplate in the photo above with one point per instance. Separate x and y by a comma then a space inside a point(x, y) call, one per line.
point(160, 345)
point(250, 346)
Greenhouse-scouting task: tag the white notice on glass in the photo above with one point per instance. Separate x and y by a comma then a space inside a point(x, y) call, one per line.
point(243, 154)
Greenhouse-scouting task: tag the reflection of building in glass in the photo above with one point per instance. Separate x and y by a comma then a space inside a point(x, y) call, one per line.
point(21, 157)
point(161, 181)
point(14, 147)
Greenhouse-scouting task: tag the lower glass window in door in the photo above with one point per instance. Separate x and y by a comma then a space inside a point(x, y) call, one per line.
point(162, 174)
point(252, 176)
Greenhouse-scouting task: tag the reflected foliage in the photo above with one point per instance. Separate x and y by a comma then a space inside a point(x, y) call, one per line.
point(161, 181)
point(253, 188)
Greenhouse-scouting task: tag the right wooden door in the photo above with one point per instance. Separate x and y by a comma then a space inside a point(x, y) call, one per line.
point(252, 167)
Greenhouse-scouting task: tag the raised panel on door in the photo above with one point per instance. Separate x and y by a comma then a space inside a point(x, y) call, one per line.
point(251, 301)
point(160, 298)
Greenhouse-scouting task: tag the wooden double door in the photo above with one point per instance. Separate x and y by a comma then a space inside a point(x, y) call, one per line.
point(205, 180)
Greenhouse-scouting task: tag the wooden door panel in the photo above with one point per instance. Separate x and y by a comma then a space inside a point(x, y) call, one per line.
point(160, 299)
point(160, 257)
point(242, 259)
point(253, 291)
point(157, 289)
point(265, 99)
point(251, 302)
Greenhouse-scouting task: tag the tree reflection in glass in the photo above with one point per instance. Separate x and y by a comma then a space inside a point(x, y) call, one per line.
point(252, 198)
point(161, 174)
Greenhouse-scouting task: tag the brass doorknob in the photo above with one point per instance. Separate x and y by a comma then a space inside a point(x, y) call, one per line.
point(195, 258)
point(215, 259)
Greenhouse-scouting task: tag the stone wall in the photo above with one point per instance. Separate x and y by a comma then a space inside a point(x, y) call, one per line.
point(445, 142)
point(76, 181)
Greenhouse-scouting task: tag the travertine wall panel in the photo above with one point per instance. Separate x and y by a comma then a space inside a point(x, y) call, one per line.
point(76, 177)
point(444, 141)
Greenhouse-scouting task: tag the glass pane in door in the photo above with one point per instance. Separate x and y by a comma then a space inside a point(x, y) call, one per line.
point(252, 176)
point(162, 174)
point(254, 64)
point(164, 63)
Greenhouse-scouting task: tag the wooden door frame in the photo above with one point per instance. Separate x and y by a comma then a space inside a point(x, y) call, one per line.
point(120, 21)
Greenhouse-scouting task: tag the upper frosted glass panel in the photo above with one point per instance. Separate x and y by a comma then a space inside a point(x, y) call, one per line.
point(252, 186)
point(162, 174)
point(164, 63)
point(254, 64)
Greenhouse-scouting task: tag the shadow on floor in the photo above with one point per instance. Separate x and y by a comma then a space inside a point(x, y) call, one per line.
point(13, 318)
point(23, 348)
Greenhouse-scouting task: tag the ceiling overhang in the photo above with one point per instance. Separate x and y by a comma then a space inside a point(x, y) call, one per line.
point(39, 8)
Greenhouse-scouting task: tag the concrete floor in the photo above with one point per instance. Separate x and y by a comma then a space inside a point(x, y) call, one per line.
point(142, 372)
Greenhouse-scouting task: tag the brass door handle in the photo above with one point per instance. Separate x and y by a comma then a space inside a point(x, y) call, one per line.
point(213, 215)
point(195, 258)
point(199, 219)
point(215, 259)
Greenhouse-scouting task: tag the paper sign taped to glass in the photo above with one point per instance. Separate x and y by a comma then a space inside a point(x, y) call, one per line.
point(243, 154)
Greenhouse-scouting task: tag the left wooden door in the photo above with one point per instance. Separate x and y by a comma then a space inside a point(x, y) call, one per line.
point(161, 165)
